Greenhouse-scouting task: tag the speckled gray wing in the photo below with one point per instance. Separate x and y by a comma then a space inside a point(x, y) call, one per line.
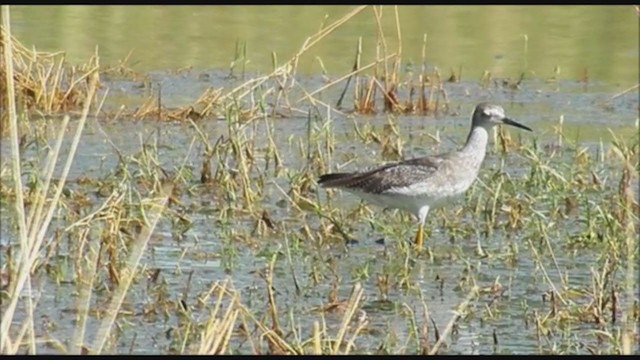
point(389, 176)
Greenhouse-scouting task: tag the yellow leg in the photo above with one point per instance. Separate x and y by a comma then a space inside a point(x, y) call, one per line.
point(420, 236)
point(421, 216)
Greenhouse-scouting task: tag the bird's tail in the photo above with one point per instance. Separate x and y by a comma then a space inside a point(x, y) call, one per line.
point(334, 179)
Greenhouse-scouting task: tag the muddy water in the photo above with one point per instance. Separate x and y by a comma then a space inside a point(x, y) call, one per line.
point(206, 253)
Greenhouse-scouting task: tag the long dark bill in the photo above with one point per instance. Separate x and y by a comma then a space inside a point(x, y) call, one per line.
point(516, 124)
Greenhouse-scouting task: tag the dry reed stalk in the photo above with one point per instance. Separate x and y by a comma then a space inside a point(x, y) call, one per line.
point(324, 87)
point(458, 313)
point(352, 305)
point(317, 347)
point(137, 249)
point(7, 316)
point(215, 337)
point(634, 87)
point(289, 66)
point(286, 70)
point(396, 63)
point(35, 215)
point(31, 238)
point(377, 12)
point(39, 77)
point(271, 335)
point(84, 298)
point(390, 99)
point(315, 102)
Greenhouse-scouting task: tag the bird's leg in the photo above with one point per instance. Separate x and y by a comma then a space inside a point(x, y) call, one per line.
point(420, 236)
point(422, 216)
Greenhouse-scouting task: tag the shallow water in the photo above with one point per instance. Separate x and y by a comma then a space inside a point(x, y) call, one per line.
point(601, 39)
point(207, 251)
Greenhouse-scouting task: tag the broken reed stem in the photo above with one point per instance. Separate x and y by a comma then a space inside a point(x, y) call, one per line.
point(7, 316)
point(289, 65)
point(35, 216)
point(354, 301)
point(31, 244)
point(634, 87)
point(381, 41)
point(457, 314)
point(307, 96)
point(84, 297)
point(317, 348)
point(396, 63)
point(356, 63)
point(129, 271)
point(545, 274)
point(67, 166)
point(216, 335)
point(32, 237)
